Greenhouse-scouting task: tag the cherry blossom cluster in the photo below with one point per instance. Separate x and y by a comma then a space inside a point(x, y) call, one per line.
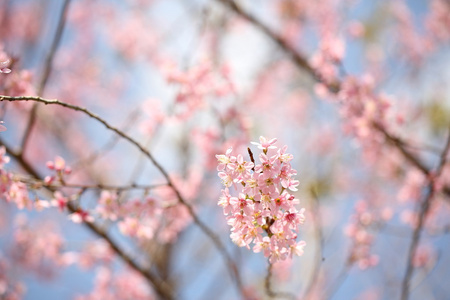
point(263, 212)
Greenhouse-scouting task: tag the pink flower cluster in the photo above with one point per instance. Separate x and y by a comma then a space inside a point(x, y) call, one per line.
point(263, 212)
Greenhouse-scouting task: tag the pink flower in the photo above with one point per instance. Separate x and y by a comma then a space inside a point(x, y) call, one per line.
point(80, 216)
point(4, 66)
point(59, 201)
point(265, 144)
point(224, 160)
point(3, 158)
point(108, 206)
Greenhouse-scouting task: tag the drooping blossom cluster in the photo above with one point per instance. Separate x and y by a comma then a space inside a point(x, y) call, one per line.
point(262, 211)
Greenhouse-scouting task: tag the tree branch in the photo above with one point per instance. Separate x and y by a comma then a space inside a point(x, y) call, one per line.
point(214, 238)
point(301, 62)
point(160, 286)
point(41, 183)
point(424, 208)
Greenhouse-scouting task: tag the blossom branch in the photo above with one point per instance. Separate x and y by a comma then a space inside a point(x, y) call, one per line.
point(424, 208)
point(160, 286)
point(234, 272)
point(301, 62)
point(41, 183)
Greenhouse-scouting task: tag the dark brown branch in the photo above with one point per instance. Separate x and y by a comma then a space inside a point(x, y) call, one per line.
point(250, 153)
point(161, 287)
point(214, 238)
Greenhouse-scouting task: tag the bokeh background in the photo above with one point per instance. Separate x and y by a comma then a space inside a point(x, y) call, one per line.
point(187, 80)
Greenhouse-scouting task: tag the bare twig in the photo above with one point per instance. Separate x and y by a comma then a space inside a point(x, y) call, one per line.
point(334, 287)
point(214, 238)
point(46, 71)
point(108, 145)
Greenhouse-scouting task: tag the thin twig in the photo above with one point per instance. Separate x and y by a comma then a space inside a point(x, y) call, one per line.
point(108, 146)
point(334, 287)
point(41, 183)
point(268, 286)
point(214, 238)
point(46, 72)
point(315, 211)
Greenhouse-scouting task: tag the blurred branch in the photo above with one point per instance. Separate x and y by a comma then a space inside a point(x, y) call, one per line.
point(315, 211)
point(108, 146)
point(424, 208)
point(46, 72)
point(298, 59)
point(334, 287)
point(268, 286)
point(301, 62)
point(234, 272)
point(160, 286)
point(36, 183)
point(401, 146)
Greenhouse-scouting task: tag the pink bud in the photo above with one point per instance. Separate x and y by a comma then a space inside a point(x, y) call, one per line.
point(50, 165)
